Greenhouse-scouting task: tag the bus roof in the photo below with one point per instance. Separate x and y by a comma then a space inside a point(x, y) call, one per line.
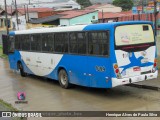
point(100, 26)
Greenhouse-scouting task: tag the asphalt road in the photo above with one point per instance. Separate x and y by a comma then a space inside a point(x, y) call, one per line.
point(47, 95)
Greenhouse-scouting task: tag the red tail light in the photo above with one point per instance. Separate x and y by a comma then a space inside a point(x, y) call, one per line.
point(116, 69)
point(154, 65)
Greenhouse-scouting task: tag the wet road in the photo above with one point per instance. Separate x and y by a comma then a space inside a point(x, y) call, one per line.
point(47, 95)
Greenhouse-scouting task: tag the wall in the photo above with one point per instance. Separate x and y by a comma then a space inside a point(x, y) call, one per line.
point(109, 8)
point(33, 15)
point(2, 23)
point(46, 14)
point(84, 19)
point(21, 25)
point(64, 22)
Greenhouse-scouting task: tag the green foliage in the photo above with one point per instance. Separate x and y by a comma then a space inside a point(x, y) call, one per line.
point(125, 4)
point(140, 2)
point(7, 106)
point(1, 53)
point(84, 3)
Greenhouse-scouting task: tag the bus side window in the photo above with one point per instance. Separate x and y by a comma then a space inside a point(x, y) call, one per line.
point(17, 42)
point(25, 42)
point(73, 43)
point(47, 42)
point(36, 42)
point(82, 44)
point(98, 43)
point(61, 42)
point(11, 44)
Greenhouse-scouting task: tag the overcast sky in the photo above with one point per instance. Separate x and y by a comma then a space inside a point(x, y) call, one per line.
point(24, 1)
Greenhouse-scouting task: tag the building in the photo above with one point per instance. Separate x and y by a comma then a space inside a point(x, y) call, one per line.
point(112, 17)
point(104, 8)
point(20, 24)
point(3, 19)
point(69, 5)
point(78, 17)
point(67, 18)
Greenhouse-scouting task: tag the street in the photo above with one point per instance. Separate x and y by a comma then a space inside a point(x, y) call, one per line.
point(47, 95)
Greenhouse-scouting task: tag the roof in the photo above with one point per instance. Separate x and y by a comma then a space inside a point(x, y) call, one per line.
point(22, 11)
point(75, 13)
point(100, 26)
point(113, 15)
point(94, 6)
point(45, 19)
point(1, 11)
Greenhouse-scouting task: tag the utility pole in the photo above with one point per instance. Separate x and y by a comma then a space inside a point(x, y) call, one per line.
point(102, 16)
point(142, 6)
point(6, 17)
point(16, 14)
point(27, 15)
point(25, 11)
point(155, 16)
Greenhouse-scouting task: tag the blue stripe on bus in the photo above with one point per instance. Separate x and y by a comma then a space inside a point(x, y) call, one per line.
point(12, 33)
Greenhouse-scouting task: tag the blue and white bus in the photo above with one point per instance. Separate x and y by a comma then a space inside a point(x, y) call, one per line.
point(97, 55)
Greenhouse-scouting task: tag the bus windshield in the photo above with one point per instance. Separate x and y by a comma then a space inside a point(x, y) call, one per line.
point(133, 34)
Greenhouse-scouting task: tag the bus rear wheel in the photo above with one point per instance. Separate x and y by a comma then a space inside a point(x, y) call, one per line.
point(20, 66)
point(63, 79)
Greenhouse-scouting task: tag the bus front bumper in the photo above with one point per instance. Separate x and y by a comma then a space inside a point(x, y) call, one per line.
point(123, 81)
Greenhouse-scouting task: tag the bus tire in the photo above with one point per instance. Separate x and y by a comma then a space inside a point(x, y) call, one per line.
point(63, 79)
point(20, 66)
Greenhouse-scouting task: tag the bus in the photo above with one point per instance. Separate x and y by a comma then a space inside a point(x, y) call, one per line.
point(103, 55)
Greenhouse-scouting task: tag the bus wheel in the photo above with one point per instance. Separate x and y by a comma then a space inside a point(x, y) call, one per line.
point(63, 79)
point(20, 66)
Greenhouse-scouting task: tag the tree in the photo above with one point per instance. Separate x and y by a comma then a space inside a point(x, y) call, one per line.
point(84, 3)
point(140, 2)
point(124, 4)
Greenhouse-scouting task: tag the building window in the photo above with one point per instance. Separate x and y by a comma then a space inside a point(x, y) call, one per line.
point(8, 23)
point(93, 17)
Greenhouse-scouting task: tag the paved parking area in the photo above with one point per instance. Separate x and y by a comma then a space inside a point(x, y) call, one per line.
point(47, 95)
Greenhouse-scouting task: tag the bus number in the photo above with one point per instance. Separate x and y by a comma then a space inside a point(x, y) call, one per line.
point(100, 68)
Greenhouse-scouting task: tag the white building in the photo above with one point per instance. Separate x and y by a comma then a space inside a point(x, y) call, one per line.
point(71, 4)
point(21, 23)
point(105, 8)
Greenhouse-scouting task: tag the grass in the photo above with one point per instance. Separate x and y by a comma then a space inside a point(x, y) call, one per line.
point(7, 106)
point(1, 53)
